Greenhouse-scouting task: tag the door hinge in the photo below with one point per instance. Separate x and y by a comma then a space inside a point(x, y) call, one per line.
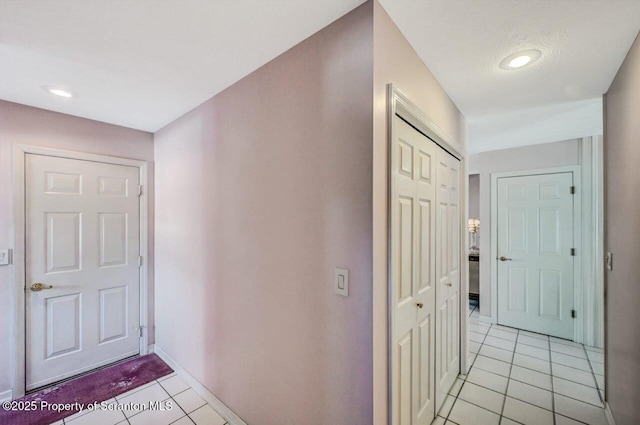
point(573, 190)
point(140, 328)
point(573, 314)
point(140, 190)
point(573, 252)
point(140, 261)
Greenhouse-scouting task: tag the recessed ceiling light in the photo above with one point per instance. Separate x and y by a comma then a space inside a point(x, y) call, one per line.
point(59, 91)
point(520, 59)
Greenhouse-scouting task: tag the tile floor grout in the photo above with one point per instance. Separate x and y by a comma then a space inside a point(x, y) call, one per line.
point(532, 357)
point(551, 375)
point(513, 355)
point(486, 367)
point(127, 420)
point(553, 393)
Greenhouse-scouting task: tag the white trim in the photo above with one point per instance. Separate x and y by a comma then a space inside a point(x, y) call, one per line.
point(591, 161)
point(6, 396)
point(18, 327)
point(577, 239)
point(585, 154)
point(609, 414)
point(400, 105)
point(202, 391)
point(597, 166)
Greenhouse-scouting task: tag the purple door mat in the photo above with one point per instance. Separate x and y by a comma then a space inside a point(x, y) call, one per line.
point(57, 402)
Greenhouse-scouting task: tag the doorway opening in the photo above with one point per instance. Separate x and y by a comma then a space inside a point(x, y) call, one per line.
point(80, 280)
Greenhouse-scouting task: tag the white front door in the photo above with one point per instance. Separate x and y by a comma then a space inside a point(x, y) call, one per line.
point(535, 262)
point(412, 280)
point(83, 240)
point(447, 274)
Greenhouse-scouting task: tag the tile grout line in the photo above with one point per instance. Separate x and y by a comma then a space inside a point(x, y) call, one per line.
point(464, 381)
point(551, 374)
point(553, 393)
point(506, 390)
point(593, 375)
point(541, 388)
point(571, 355)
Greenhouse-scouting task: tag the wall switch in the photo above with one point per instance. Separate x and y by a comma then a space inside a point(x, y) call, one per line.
point(4, 257)
point(341, 282)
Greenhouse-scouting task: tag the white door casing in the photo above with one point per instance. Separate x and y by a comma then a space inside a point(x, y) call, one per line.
point(535, 265)
point(82, 238)
point(447, 366)
point(413, 273)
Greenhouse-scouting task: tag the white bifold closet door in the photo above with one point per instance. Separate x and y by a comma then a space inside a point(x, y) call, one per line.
point(447, 274)
point(425, 243)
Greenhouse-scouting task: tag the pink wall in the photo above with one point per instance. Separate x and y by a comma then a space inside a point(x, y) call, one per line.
point(262, 192)
point(622, 230)
point(396, 62)
point(21, 124)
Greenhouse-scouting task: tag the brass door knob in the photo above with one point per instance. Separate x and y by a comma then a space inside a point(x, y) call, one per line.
point(420, 305)
point(504, 259)
point(39, 287)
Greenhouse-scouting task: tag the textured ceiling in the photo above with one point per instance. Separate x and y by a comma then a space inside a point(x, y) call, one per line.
point(583, 43)
point(143, 63)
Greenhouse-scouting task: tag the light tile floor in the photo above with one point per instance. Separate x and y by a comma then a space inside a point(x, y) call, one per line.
point(187, 407)
point(520, 377)
point(516, 377)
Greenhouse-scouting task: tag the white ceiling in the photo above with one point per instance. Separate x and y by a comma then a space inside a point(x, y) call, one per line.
point(583, 43)
point(143, 63)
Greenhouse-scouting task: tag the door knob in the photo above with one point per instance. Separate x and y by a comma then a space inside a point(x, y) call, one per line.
point(420, 305)
point(503, 258)
point(449, 284)
point(39, 287)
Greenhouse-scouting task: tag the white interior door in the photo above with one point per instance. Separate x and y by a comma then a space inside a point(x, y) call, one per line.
point(447, 268)
point(83, 239)
point(535, 263)
point(412, 280)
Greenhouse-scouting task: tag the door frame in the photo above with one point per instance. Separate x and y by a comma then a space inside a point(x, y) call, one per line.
point(577, 240)
point(18, 283)
point(400, 105)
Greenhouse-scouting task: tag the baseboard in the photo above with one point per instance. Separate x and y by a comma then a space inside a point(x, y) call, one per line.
point(608, 414)
point(6, 395)
point(202, 391)
point(151, 348)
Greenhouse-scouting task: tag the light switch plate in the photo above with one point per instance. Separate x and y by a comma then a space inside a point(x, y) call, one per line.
point(341, 282)
point(4, 257)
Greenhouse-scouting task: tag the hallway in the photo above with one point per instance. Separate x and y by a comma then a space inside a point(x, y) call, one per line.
point(522, 377)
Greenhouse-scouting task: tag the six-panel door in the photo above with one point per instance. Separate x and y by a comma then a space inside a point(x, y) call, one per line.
point(82, 234)
point(425, 278)
point(447, 271)
point(535, 264)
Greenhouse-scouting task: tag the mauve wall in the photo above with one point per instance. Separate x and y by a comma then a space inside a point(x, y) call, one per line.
point(396, 62)
point(547, 155)
point(21, 124)
point(622, 238)
point(263, 191)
